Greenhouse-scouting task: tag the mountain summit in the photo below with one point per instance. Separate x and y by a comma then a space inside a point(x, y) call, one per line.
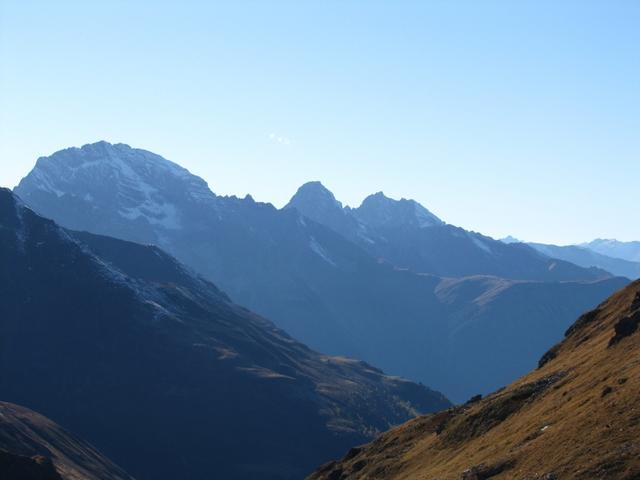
point(316, 202)
point(315, 195)
point(379, 210)
point(118, 185)
point(407, 235)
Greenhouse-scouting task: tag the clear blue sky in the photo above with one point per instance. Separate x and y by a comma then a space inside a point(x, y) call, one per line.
point(508, 117)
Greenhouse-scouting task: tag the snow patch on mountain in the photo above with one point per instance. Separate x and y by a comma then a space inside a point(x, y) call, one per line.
point(321, 252)
point(42, 181)
point(424, 217)
point(510, 239)
point(481, 244)
point(141, 185)
point(165, 215)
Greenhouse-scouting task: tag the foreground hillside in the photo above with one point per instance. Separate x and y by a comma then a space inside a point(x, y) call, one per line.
point(576, 417)
point(33, 447)
point(154, 366)
point(318, 282)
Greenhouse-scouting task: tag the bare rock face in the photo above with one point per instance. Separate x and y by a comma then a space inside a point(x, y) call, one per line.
point(625, 327)
point(485, 472)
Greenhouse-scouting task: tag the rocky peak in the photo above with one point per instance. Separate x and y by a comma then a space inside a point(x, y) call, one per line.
point(314, 197)
point(378, 210)
point(315, 201)
point(140, 184)
point(510, 239)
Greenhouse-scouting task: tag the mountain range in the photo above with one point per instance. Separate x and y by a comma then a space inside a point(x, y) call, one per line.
point(616, 249)
point(407, 235)
point(574, 417)
point(586, 257)
point(151, 358)
point(387, 282)
point(155, 366)
point(610, 255)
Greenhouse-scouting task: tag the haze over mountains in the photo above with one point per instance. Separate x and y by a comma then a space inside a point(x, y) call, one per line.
point(575, 417)
point(388, 282)
point(614, 248)
point(585, 257)
point(119, 343)
point(617, 259)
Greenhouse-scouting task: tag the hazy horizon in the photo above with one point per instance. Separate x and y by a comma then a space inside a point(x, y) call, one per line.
point(540, 142)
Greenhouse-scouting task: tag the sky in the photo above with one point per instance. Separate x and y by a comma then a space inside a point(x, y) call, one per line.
point(504, 117)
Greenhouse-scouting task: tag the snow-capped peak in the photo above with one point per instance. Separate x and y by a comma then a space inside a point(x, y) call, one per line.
point(510, 239)
point(141, 184)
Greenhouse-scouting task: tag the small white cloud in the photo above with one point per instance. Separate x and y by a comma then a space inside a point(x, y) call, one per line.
point(278, 139)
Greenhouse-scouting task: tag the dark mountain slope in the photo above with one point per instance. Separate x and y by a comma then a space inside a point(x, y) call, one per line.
point(575, 417)
point(407, 235)
point(118, 343)
point(588, 258)
point(19, 467)
point(33, 447)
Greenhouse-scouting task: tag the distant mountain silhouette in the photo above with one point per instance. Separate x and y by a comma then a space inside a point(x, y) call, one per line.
point(616, 249)
point(585, 257)
point(155, 366)
point(341, 286)
point(510, 239)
